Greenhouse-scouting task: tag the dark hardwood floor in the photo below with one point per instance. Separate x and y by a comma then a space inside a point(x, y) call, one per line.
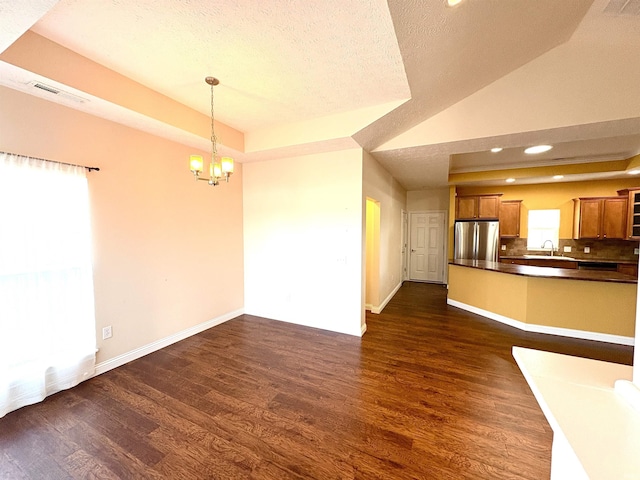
point(430, 392)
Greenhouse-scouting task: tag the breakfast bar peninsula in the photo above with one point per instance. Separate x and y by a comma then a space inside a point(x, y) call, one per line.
point(588, 304)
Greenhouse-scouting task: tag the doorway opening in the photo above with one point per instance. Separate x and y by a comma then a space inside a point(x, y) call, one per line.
point(372, 254)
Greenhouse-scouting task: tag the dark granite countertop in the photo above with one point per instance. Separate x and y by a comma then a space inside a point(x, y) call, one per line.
point(546, 272)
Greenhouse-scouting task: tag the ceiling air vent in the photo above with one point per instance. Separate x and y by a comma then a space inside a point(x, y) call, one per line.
point(46, 88)
point(57, 91)
point(623, 7)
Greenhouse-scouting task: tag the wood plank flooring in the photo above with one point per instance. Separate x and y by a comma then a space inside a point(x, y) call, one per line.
point(430, 392)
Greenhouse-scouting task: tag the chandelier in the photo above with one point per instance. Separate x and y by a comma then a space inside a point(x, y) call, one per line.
point(217, 168)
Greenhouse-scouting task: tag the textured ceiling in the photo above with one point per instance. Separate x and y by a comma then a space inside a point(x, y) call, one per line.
point(277, 61)
point(282, 62)
point(450, 53)
point(16, 17)
point(562, 153)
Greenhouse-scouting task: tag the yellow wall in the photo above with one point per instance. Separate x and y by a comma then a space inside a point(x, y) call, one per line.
point(372, 252)
point(552, 196)
point(602, 307)
point(496, 292)
point(592, 306)
point(452, 218)
point(167, 250)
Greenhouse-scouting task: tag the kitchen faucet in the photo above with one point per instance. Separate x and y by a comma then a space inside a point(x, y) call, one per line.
point(550, 251)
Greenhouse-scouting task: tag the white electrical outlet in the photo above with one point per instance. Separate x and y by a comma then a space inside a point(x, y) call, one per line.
point(636, 251)
point(107, 332)
point(503, 247)
point(587, 250)
point(567, 249)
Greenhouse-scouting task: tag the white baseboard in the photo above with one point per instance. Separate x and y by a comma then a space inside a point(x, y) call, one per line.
point(380, 307)
point(527, 327)
point(120, 360)
point(363, 328)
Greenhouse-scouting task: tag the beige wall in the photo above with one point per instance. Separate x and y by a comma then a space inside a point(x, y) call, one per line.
point(425, 200)
point(304, 238)
point(380, 186)
point(167, 251)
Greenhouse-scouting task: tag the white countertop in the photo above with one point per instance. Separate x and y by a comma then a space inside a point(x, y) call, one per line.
point(578, 398)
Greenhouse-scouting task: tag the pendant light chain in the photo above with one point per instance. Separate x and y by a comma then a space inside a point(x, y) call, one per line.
point(214, 150)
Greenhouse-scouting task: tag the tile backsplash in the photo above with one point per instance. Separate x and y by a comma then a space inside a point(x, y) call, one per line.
point(599, 249)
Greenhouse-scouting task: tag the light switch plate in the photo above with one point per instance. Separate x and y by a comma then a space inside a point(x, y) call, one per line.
point(636, 251)
point(504, 247)
point(587, 250)
point(567, 249)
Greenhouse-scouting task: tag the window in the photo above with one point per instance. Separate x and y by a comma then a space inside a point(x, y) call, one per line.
point(47, 324)
point(544, 226)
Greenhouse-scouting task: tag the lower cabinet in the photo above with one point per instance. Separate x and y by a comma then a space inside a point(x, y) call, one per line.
point(628, 269)
point(539, 262)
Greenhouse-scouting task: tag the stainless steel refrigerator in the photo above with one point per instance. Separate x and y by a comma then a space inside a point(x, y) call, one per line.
point(476, 240)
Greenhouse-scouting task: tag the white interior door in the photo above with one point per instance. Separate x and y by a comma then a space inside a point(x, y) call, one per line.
point(427, 246)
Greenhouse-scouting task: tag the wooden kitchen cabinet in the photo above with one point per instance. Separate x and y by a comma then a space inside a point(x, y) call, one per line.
point(600, 217)
point(553, 263)
point(510, 218)
point(541, 262)
point(628, 269)
point(466, 207)
point(471, 207)
point(633, 212)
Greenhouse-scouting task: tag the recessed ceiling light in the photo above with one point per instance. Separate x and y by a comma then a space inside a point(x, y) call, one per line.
point(538, 149)
point(453, 3)
point(558, 177)
point(496, 149)
point(510, 180)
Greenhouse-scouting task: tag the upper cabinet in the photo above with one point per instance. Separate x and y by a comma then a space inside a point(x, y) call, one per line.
point(510, 218)
point(633, 212)
point(472, 207)
point(600, 217)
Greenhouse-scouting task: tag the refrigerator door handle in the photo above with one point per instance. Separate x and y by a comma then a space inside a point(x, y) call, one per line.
point(476, 241)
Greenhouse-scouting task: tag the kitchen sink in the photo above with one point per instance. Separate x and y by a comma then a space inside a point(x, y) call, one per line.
point(549, 257)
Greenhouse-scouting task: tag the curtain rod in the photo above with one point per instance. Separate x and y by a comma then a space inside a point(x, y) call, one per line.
point(97, 169)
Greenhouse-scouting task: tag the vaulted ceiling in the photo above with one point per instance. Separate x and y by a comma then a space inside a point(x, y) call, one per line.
point(425, 87)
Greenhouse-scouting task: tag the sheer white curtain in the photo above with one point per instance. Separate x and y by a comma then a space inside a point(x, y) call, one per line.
point(47, 322)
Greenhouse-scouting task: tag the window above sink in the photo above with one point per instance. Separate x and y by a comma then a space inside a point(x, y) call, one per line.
point(544, 228)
